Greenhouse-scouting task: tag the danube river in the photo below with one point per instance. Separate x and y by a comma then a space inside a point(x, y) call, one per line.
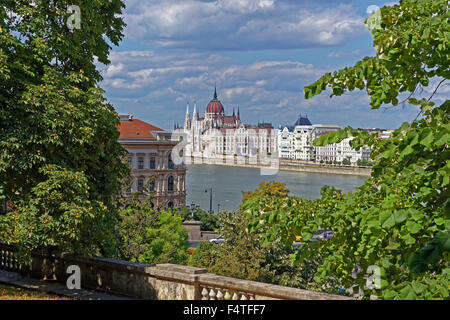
point(228, 182)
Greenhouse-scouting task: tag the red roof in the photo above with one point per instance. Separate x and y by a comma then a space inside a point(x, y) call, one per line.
point(136, 129)
point(229, 120)
point(215, 107)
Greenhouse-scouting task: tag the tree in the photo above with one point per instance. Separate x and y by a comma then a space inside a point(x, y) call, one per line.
point(60, 162)
point(270, 189)
point(209, 220)
point(398, 222)
point(243, 256)
point(148, 235)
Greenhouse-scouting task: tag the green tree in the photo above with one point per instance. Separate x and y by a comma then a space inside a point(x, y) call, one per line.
point(209, 220)
point(148, 235)
point(60, 162)
point(243, 256)
point(398, 220)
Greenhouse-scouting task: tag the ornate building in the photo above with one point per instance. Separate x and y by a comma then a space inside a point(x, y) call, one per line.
point(216, 135)
point(296, 142)
point(150, 158)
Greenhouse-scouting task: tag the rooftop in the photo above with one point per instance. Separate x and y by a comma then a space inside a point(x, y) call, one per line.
point(135, 129)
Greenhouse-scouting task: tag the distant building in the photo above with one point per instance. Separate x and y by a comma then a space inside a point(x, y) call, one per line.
point(216, 134)
point(149, 157)
point(296, 142)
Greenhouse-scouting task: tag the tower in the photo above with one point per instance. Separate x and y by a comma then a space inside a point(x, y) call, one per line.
point(187, 120)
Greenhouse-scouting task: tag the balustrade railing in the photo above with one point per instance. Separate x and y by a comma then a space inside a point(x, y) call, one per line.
point(164, 281)
point(209, 293)
point(8, 258)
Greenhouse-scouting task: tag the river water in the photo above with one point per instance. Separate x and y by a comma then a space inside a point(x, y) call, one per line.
point(227, 184)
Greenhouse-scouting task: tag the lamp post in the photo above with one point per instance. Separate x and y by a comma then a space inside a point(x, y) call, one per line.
point(192, 207)
point(218, 207)
point(210, 199)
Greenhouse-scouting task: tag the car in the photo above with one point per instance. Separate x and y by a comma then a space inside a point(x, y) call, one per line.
point(323, 235)
point(217, 240)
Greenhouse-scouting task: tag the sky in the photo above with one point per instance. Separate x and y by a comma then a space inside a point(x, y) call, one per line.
point(259, 53)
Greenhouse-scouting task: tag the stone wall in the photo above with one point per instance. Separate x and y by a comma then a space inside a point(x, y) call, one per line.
point(293, 165)
point(322, 168)
point(155, 282)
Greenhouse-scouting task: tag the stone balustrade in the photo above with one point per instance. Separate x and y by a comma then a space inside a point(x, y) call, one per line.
point(155, 282)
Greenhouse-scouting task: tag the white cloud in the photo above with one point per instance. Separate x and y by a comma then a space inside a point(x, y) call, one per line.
point(156, 88)
point(165, 82)
point(240, 24)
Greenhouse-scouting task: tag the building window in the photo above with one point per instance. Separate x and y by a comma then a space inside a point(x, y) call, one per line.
point(171, 165)
point(130, 162)
point(140, 185)
point(170, 183)
point(152, 185)
point(140, 162)
point(152, 163)
point(170, 205)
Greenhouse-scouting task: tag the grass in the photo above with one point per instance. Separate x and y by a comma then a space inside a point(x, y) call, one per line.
point(14, 293)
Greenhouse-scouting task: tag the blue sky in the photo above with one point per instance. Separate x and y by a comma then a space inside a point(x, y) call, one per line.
point(261, 53)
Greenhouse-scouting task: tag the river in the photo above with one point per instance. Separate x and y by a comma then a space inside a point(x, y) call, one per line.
point(227, 184)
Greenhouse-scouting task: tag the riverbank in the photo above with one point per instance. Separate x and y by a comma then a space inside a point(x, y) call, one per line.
point(323, 168)
point(292, 165)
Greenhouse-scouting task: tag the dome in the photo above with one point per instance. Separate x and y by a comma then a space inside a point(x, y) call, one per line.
point(215, 106)
point(302, 121)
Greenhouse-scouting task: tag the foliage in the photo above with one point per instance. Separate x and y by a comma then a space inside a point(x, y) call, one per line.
point(148, 235)
point(60, 162)
point(210, 221)
point(266, 189)
point(204, 255)
point(364, 163)
point(242, 255)
point(398, 220)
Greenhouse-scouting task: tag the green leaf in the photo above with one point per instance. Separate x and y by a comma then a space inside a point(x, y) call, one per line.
point(407, 293)
point(418, 287)
point(387, 219)
point(413, 227)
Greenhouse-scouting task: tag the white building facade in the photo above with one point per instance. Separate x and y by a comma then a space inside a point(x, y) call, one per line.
point(217, 135)
point(296, 142)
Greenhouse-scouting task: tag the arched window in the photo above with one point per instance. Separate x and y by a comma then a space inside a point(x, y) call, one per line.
point(170, 183)
point(170, 205)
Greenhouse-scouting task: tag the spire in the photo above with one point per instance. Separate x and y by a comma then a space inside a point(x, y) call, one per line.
point(233, 113)
point(187, 120)
point(194, 114)
point(215, 92)
point(239, 116)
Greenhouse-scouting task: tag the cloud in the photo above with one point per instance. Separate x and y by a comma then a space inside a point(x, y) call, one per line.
point(241, 24)
point(156, 88)
point(160, 84)
point(340, 54)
